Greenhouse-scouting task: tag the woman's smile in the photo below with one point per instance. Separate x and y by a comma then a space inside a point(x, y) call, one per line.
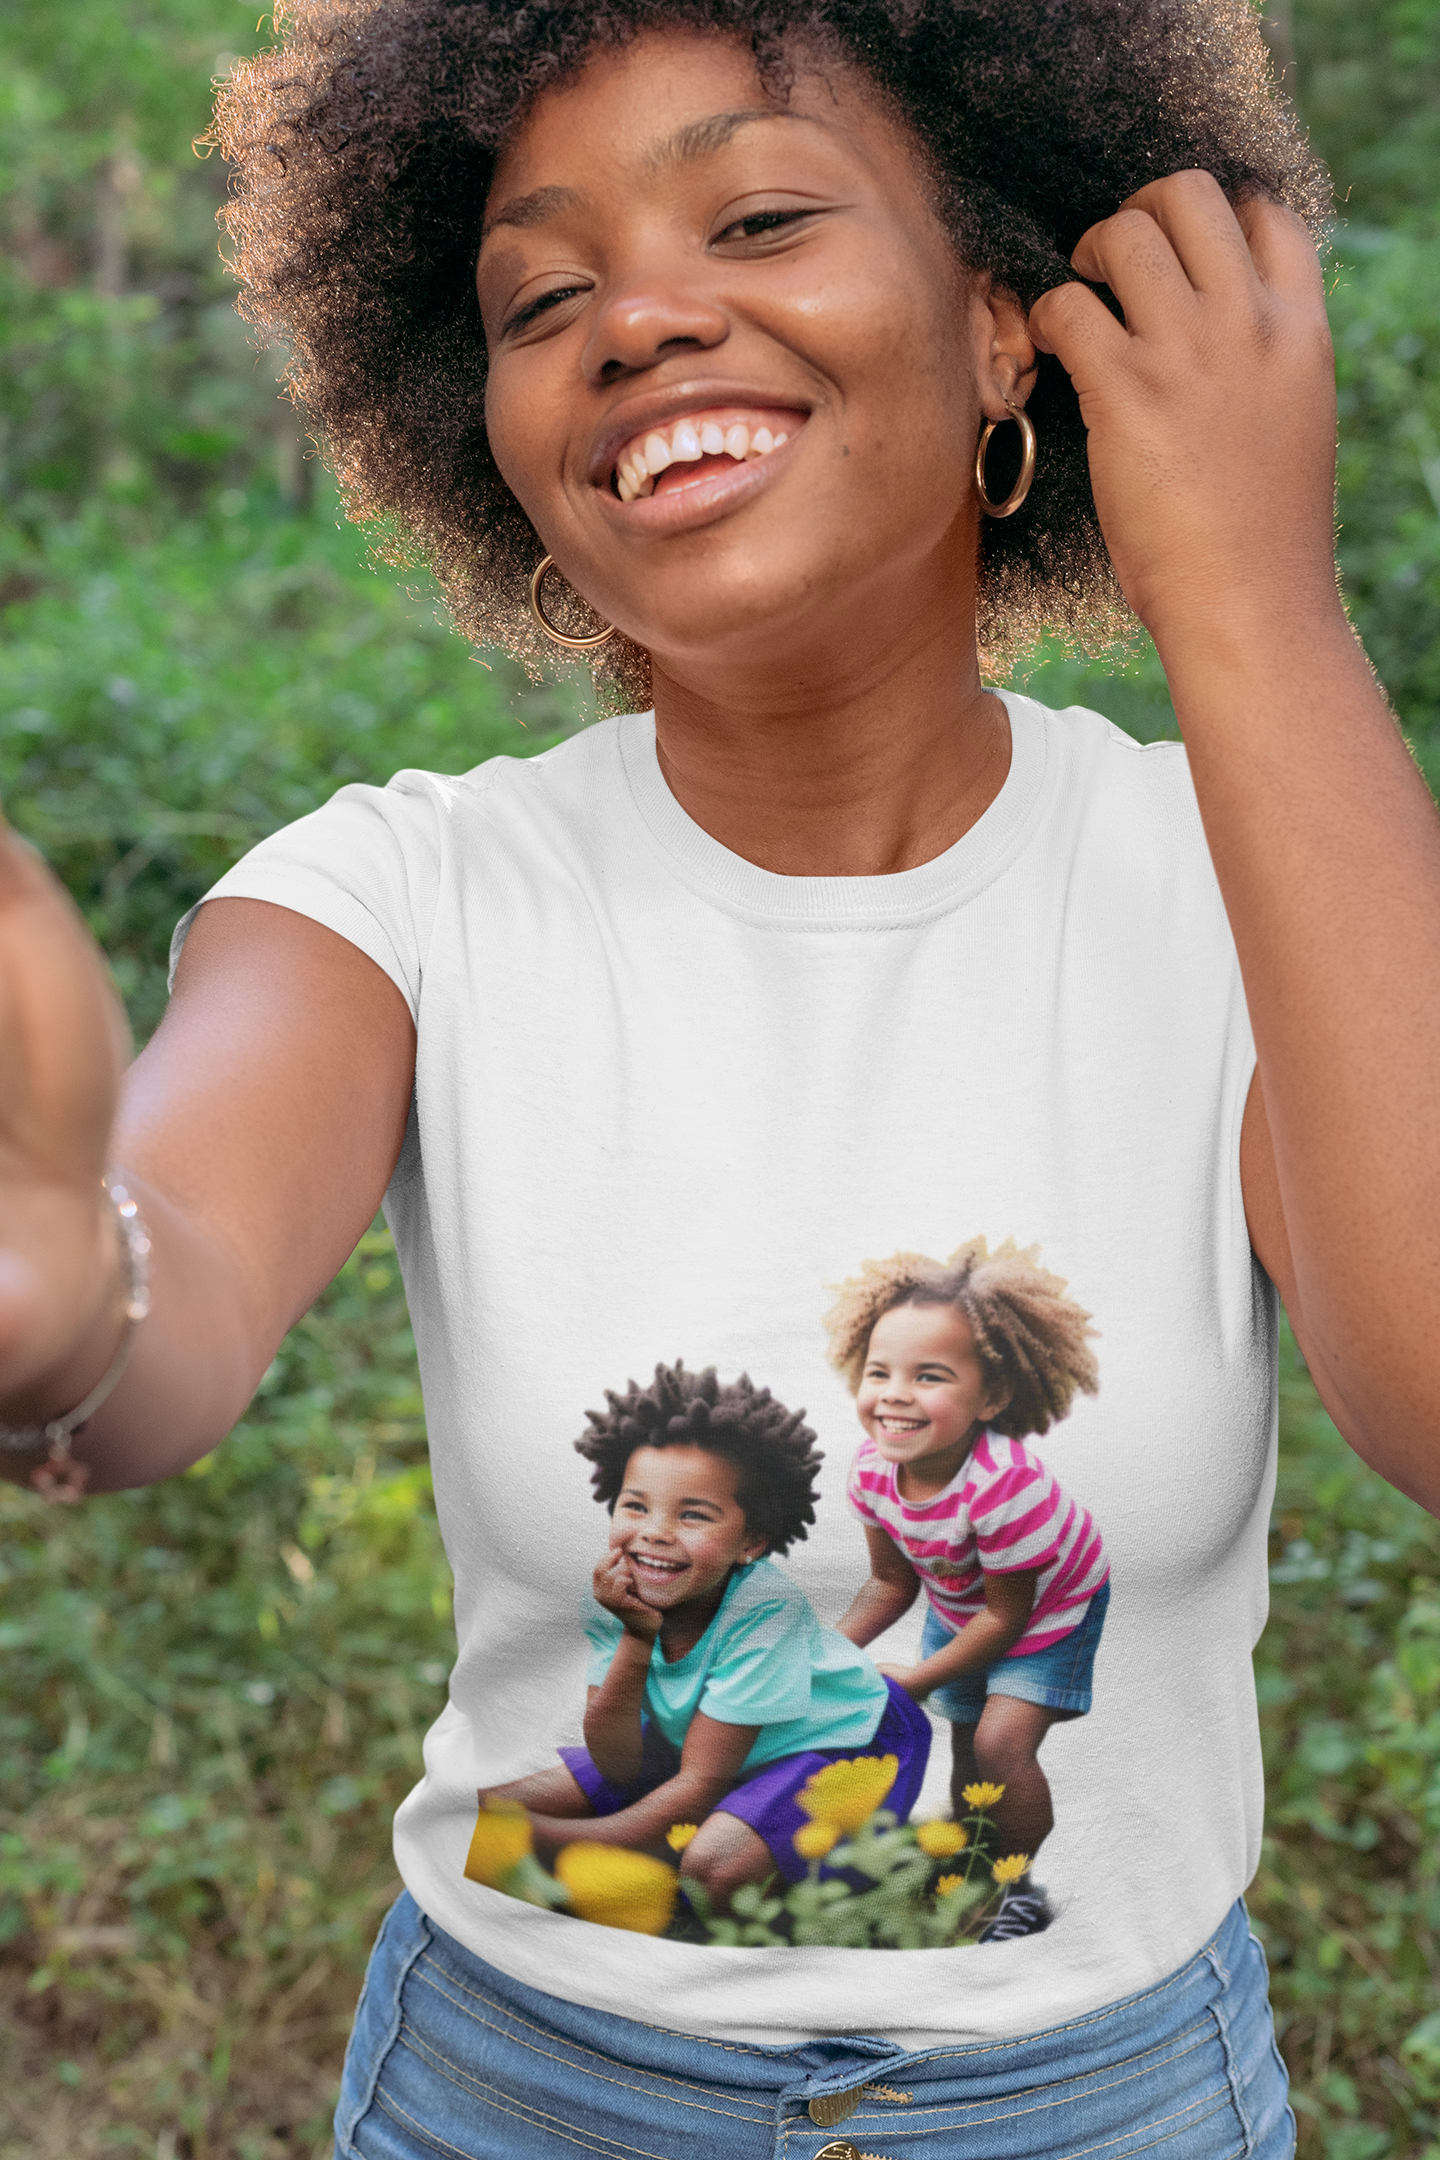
point(672, 471)
point(657, 460)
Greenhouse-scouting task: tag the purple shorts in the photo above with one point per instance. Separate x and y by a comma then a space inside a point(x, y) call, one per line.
point(767, 1801)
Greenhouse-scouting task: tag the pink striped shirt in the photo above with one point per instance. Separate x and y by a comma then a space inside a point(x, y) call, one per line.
point(1000, 1513)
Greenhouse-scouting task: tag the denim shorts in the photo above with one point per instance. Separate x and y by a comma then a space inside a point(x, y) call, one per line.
point(450, 2057)
point(1058, 1678)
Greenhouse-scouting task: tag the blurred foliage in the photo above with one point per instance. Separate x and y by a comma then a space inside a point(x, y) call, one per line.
point(1367, 81)
point(1347, 1899)
point(165, 705)
point(215, 1694)
point(215, 1690)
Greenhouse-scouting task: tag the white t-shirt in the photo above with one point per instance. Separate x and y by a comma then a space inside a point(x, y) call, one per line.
point(664, 1103)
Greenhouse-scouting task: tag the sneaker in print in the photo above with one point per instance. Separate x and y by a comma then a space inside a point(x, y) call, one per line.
point(1024, 1910)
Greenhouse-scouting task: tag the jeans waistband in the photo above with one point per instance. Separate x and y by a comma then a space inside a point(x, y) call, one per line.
point(815, 2067)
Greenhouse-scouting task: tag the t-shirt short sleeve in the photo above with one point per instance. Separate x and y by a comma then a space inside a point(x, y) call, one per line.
point(366, 865)
point(761, 1673)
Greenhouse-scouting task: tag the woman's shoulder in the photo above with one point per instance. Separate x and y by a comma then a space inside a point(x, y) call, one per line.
point(1126, 809)
point(1090, 748)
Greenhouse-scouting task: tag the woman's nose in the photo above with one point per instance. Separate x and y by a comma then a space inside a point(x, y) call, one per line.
point(646, 320)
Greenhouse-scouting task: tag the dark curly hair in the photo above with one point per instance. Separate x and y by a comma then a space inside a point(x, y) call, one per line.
point(363, 146)
point(772, 1447)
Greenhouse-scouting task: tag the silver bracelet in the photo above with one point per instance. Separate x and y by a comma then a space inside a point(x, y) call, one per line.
point(60, 1477)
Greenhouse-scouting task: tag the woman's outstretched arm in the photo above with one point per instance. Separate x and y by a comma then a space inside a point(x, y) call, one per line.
point(1211, 418)
point(258, 1131)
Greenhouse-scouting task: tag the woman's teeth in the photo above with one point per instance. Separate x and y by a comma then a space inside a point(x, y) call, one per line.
point(642, 460)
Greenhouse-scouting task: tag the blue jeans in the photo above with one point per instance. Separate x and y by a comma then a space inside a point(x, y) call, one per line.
point(450, 2057)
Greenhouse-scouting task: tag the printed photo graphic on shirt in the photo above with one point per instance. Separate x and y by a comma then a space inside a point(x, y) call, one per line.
point(748, 1774)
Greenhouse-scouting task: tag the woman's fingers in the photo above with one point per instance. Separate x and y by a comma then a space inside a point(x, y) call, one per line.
point(1074, 324)
point(1209, 410)
point(1132, 254)
point(1282, 251)
point(1181, 237)
point(1194, 233)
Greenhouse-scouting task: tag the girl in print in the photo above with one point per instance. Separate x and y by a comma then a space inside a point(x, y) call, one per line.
point(953, 1366)
point(714, 1692)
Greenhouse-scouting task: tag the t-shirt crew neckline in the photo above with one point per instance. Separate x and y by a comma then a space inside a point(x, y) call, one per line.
point(901, 898)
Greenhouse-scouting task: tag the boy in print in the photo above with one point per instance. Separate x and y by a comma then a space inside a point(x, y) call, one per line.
point(952, 1367)
point(714, 1691)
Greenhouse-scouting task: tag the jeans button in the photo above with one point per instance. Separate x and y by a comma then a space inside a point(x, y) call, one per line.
point(831, 2108)
point(839, 2149)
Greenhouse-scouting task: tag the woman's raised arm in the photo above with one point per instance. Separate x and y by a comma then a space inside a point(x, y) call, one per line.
point(1211, 418)
point(257, 1130)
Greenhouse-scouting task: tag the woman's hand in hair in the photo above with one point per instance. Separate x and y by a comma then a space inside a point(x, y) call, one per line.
point(1210, 410)
point(1211, 413)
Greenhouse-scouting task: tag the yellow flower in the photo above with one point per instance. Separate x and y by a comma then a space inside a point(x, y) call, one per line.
point(617, 1888)
point(984, 1796)
point(815, 1840)
point(947, 1883)
point(941, 1839)
point(678, 1836)
point(848, 1793)
point(1011, 1869)
point(502, 1838)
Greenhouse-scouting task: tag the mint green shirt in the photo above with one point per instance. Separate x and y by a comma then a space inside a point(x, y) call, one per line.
point(764, 1660)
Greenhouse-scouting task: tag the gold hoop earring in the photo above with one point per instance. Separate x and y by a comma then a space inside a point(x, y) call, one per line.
point(558, 637)
point(1021, 488)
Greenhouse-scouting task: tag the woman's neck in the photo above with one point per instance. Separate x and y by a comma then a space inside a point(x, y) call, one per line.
point(853, 751)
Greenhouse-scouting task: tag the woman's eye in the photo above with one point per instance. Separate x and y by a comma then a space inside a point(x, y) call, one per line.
point(760, 224)
point(541, 305)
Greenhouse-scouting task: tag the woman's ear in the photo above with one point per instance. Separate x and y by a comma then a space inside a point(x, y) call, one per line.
point(1005, 355)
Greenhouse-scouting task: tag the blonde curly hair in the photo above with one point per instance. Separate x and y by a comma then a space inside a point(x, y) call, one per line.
point(1031, 1339)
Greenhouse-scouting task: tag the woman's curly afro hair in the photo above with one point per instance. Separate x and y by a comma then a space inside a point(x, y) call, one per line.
point(1031, 1339)
point(773, 1448)
point(363, 147)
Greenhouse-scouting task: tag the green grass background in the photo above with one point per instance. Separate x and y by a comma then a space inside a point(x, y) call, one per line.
point(215, 1690)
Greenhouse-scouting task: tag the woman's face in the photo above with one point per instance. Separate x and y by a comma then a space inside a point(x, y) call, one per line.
point(679, 1524)
point(736, 374)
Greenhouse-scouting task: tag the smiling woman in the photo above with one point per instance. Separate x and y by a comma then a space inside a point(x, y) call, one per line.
point(789, 355)
point(366, 147)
